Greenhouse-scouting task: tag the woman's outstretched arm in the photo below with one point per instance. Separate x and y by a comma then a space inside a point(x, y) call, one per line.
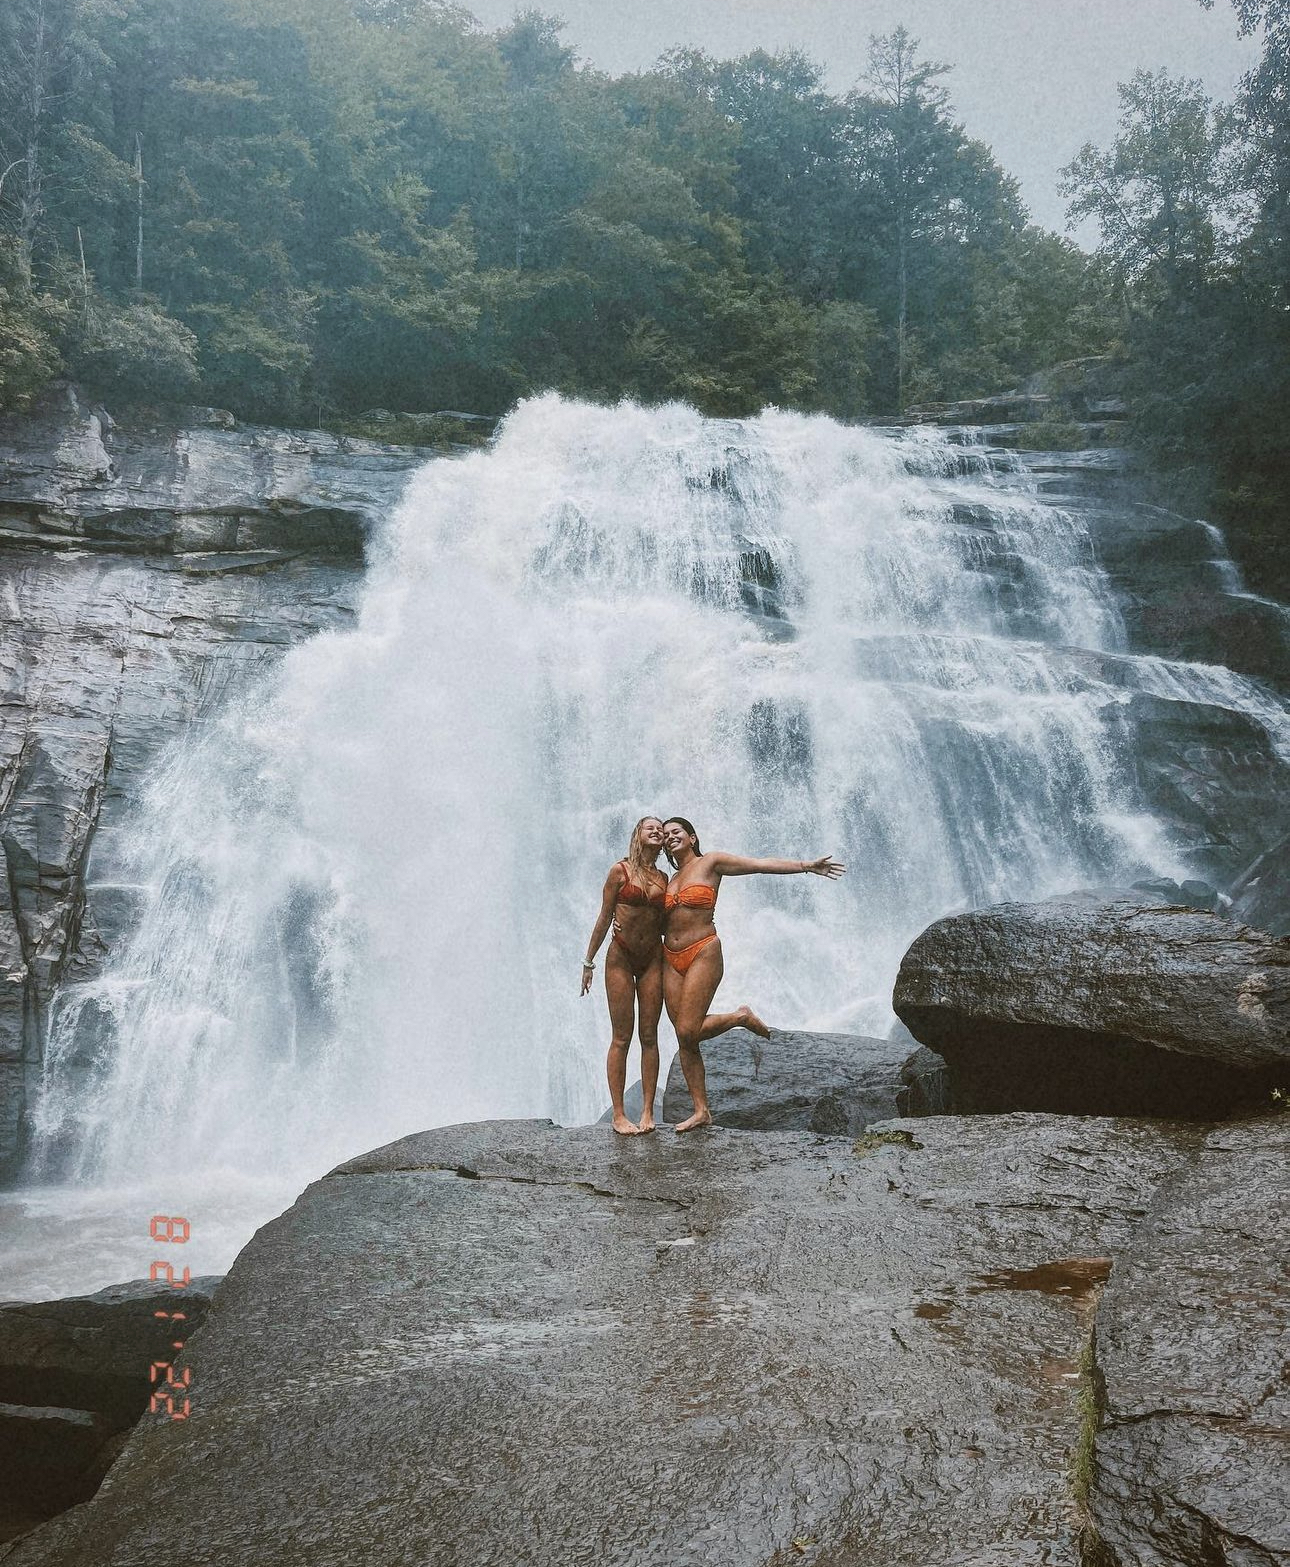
point(742, 865)
point(604, 919)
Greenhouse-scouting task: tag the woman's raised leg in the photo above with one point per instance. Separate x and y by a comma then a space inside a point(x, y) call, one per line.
point(688, 997)
point(620, 991)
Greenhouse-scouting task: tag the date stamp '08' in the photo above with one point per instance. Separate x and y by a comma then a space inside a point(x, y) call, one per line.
point(170, 1230)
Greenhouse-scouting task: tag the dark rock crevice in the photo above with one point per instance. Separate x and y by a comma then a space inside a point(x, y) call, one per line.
point(463, 1172)
point(74, 1382)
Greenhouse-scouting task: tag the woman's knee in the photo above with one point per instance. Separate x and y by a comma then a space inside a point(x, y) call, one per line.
point(619, 1041)
point(688, 1041)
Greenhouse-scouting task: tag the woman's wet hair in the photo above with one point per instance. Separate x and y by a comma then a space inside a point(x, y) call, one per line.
point(689, 827)
point(639, 861)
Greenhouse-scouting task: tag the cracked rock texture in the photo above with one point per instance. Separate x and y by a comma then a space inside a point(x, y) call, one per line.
point(1193, 1347)
point(147, 575)
point(798, 1082)
point(516, 1342)
point(1084, 1006)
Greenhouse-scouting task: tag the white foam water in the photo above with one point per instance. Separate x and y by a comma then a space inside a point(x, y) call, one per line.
point(368, 887)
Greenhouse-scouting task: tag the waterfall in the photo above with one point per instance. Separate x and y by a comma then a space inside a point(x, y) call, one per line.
point(369, 885)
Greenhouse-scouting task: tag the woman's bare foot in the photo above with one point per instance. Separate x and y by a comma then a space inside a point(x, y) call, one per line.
point(753, 1023)
point(699, 1118)
point(647, 1124)
point(623, 1126)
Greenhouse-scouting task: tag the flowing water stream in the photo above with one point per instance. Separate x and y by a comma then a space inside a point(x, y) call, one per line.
point(368, 887)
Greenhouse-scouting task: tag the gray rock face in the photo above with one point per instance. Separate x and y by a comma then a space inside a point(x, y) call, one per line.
point(795, 1082)
point(1261, 895)
point(514, 1341)
point(1182, 596)
point(1192, 1458)
point(1078, 1005)
point(70, 476)
point(74, 1376)
point(148, 576)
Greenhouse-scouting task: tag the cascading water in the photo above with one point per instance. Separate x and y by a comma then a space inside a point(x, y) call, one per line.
point(370, 888)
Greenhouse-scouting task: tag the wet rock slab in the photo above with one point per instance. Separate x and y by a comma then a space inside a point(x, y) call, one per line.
point(1193, 1349)
point(1083, 1006)
point(830, 1083)
point(515, 1342)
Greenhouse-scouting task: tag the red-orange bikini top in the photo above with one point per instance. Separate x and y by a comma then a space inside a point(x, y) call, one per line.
point(695, 896)
point(629, 892)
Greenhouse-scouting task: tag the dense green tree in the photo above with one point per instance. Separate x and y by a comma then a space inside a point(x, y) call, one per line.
point(30, 324)
point(1190, 201)
point(1161, 192)
point(311, 207)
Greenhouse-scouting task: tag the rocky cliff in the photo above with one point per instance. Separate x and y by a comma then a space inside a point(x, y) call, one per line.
point(150, 571)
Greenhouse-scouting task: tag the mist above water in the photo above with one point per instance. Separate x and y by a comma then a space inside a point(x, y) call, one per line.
point(366, 892)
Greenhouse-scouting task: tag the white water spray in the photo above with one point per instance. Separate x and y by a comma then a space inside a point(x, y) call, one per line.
point(370, 888)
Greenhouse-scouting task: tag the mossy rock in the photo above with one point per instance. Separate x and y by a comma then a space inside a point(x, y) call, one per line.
point(1052, 435)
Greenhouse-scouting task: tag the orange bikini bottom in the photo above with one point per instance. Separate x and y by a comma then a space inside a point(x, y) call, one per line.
point(681, 960)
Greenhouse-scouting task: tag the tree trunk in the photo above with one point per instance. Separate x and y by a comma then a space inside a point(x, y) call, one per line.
point(85, 280)
point(902, 272)
point(519, 214)
point(30, 207)
point(138, 244)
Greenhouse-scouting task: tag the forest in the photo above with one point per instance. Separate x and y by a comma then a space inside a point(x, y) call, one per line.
point(305, 210)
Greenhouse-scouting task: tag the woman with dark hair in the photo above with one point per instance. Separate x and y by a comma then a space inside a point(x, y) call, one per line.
point(632, 902)
point(692, 948)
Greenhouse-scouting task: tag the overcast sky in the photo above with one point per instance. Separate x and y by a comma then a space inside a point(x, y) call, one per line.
point(1034, 79)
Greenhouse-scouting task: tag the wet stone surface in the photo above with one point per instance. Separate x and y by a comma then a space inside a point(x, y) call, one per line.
point(513, 1341)
point(830, 1083)
point(1193, 1348)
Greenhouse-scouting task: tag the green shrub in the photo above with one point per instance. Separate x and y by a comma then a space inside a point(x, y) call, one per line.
point(133, 351)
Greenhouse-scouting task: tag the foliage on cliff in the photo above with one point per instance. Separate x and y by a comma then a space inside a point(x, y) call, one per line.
point(303, 208)
point(1193, 203)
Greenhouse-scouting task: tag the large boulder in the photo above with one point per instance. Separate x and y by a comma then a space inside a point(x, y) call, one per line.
point(1084, 1006)
point(799, 1082)
point(516, 1342)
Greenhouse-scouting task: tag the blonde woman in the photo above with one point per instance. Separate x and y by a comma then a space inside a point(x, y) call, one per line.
point(632, 902)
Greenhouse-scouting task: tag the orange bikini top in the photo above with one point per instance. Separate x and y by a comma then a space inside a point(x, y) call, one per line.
point(629, 892)
point(695, 896)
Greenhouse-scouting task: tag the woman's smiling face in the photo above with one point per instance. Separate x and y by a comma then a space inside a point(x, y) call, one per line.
point(675, 838)
point(652, 832)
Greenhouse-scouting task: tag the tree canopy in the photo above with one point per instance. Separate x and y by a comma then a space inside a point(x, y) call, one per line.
point(302, 209)
point(1193, 205)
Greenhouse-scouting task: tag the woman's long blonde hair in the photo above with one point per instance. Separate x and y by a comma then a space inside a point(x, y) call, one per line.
point(641, 865)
